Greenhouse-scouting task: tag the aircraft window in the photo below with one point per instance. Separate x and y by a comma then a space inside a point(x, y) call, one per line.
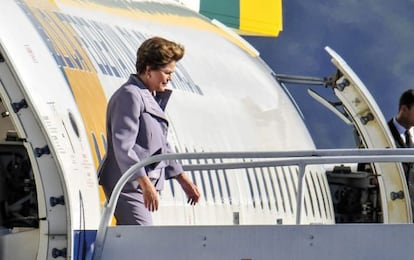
point(78, 63)
point(73, 123)
point(115, 72)
point(59, 60)
point(182, 80)
point(102, 68)
point(69, 62)
point(108, 70)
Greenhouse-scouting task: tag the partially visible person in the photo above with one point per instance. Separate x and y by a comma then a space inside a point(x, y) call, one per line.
point(137, 128)
point(402, 130)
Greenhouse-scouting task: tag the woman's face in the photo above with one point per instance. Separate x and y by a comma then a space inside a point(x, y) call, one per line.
point(158, 79)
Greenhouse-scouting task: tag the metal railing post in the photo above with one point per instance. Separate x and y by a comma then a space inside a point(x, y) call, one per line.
point(299, 200)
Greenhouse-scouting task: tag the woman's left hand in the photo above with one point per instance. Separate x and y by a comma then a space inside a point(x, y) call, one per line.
point(189, 188)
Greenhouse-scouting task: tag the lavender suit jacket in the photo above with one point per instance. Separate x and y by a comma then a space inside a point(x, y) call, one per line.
point(136, 128)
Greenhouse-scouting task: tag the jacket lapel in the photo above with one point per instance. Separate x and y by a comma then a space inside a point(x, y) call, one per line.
point(399, 142)
point(152, 105)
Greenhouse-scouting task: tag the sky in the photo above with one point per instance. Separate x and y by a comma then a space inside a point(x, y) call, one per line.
point(375, 38)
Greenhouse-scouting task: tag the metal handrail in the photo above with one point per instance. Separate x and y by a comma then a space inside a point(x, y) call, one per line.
point(287, 158)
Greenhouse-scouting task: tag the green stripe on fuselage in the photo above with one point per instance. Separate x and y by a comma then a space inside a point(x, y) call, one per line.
point(227, 11)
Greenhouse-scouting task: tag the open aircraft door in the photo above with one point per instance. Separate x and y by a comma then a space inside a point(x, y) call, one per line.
point(375, 183)
point(373, 131)
point(32, 205)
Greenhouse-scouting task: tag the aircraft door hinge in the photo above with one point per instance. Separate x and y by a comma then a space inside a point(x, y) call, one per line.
point(342, 85)
point(5, 114)
point(59, 252)
point(19, 105)
point(57, 201)
point(397, 195)
point(41, 151)
point(367, 118)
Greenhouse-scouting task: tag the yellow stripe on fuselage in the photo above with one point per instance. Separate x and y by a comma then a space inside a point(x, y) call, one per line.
point(84, 82)
point(91, 102)
point(82, 79)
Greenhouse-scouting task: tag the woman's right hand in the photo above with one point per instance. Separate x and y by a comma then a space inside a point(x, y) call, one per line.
point(150, 194)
